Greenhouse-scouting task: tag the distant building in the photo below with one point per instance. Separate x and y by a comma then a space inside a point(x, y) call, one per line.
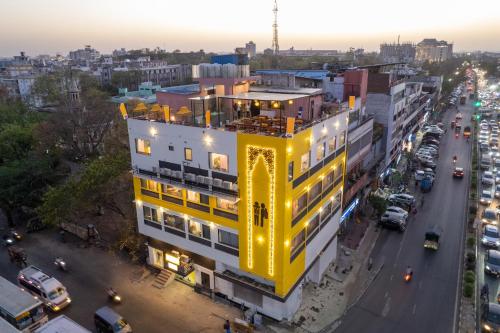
point(432, 50)
point(251, 49)
point(87, 54)
point(292, 52)
point(393, 52)
point(236, 59)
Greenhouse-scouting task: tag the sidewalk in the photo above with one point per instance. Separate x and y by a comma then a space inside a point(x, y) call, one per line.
point(343, 283)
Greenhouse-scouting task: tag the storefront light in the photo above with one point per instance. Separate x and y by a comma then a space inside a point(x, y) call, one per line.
point(172, 259)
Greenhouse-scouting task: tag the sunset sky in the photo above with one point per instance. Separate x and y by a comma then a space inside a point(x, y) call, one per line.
point(50, 26)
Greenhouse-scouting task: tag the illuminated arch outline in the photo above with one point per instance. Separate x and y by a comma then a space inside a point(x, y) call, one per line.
point(269, 157)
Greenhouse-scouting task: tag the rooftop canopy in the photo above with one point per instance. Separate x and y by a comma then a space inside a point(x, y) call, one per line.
point(262, 96)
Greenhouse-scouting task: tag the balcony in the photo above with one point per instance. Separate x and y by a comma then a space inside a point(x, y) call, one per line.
point(219, 185)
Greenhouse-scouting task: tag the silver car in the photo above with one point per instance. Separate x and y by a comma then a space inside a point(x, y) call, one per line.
point(490, 237)
point(492, 263)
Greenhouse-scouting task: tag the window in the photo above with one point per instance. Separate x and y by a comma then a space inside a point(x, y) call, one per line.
point(199, 230)
point(328, 180)
point(305, 161)
point(312, 225)
point(174, 221)
point(150, 185)
point(227, 205)
point(299, 204)
point(290, 171)
point(298, 240)
point(171, 148)
point(197, 197)
point(171, 190)
point(228, 238)
point(142, 146)
point(332, 144)
point(320, 151)
point(188, 154)
point(150, 214)
point(326, 210)
point(218, 162)
point(315, 191)
point(342, 139)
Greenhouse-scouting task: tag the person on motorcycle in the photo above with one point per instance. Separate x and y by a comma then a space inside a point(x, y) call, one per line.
point(455, 159)
point(409, 271)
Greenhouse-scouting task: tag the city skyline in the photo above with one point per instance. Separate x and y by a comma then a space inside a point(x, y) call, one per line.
point(63, 26)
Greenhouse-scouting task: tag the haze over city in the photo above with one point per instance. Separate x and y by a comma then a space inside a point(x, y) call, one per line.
point(59, 26)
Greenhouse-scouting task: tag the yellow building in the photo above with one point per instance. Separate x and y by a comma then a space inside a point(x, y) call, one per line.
point(241, 210)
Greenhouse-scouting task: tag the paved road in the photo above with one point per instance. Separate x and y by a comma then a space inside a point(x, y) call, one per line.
point(427, 303)
point(177, 308)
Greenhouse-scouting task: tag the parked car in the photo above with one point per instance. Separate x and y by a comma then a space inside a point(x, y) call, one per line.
point(458, 172)
point(486, 197)
point(487, 178)
point(497, 177)
point(497, 191)
point(430, 140)
point(489, 216)
point(429, 171)
point(429, 164)
point(397, 210)
point(397, 223)
point(492, 262)
point(419, 175)
point(403, 198)
point(490, 319)
point(490, 236)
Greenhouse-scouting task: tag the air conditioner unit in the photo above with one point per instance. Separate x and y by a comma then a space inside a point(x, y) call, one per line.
point(226, 185)
point(191, 177)
point(200, 179)
point(217, 182)
point(168, 172)
point(208, 180)
point(177, 174)
point(235, 187)
point(155, 170)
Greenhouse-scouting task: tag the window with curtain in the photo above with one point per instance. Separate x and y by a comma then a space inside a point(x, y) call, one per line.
point(228, 238)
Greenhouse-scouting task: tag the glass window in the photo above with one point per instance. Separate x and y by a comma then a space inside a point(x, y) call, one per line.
point(290, 171)
point(142, 146)
point(174, 221)
point(332, 144)
point(228, 238)
point(171, 190)
point(326, 210)
point(227, 205)
point(188, 154)
point(305, 161)
point(199, 229)
point(299, 204)
point(150, 185)
point(315, 191)
point(298, 240)
point(150, 214)
point(320, 151)
point(218, 162)
point(313, 224)
point(342, 139)
point(328, 180)
point(197, 197)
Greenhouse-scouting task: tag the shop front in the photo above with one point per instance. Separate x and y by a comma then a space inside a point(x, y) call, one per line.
point(189, 268)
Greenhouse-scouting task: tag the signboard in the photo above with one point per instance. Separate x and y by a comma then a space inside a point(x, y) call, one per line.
point(349, 210)
point(352, 102)
point(290, 125)
point(123, 111)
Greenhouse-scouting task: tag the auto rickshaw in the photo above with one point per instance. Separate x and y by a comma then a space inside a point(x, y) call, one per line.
point(17, 255)
point(432, 238)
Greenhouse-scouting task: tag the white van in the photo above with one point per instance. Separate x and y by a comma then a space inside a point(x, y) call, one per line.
point(486, 162)
point(44, 287)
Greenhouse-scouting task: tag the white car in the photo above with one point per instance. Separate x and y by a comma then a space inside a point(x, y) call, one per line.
point(402, 198)
point(490, 237)
point(486, 198)
point(497, 191)
point(487, 178)
point(497, 177)
point(419, 175)
point(397, 210)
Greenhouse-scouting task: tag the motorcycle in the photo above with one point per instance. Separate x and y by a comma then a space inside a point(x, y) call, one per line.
point(16, 235)
point(408, 275)
point(59, 262)
point(113, 295)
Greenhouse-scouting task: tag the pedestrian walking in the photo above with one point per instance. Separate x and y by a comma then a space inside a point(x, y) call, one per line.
point(227, 327)
point(422, 202)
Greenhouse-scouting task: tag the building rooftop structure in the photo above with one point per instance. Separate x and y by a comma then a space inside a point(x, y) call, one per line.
point(146, 94)
point(307, 74)
point(184, 90)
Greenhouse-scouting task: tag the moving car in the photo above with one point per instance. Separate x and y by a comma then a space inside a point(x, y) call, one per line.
point(403, 198)
point(489, 216)
point(486, 198)
point(490, 236)
point(458, 172)
point(492, 262)
point(432, 237)
point(487, 178)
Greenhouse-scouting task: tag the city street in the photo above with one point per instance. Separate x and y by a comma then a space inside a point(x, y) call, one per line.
point(177, 308)
point(429, 302)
